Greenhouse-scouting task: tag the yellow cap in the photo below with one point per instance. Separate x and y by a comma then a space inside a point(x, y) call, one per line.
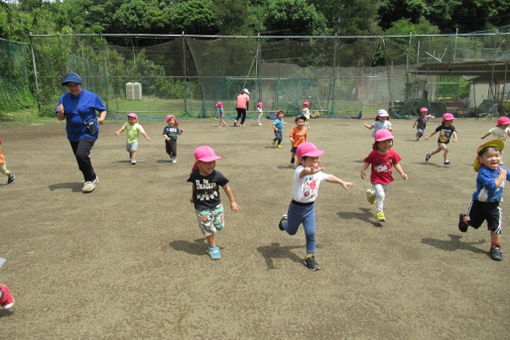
point(495, 142)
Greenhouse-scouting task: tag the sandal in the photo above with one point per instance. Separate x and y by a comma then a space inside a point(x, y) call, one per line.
point(214, 253)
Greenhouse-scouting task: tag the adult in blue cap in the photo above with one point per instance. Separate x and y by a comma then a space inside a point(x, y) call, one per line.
point(78, 107)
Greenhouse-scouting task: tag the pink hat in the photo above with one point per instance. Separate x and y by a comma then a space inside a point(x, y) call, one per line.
point(424, 109)
point(382, 135)
point(308, 149)
point(259, 104)
point(503, 120)
point(219, 104)
point(205, 153)
point(168, 117)
point(133, 115)
point(448, 116)
point(307, 104)
point(382, 113)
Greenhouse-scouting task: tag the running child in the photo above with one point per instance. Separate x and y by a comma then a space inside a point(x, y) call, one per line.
point(260, 112)
point(486, 200)
point(298, 135)
point(278, 129)
point(206, 196)
point(6, 299)
point(421, 122)
point(501, 131)
point(382, 159)
point(382, 121)
point(306, 113)
point(221, 115)
point(447, 132)
point(134, 129)
point(170, 133)
point(3, 167)
point(307, 179)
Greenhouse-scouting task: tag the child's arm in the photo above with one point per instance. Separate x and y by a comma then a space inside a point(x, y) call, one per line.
point(230, 195)
point(370, 127)
point(192, 193)
point(401, 171)
point(180, 132)
point(390, 128)
point(343, 183)
point(365, 166)
point(454, 137)
point(146, 136)
point(488, 133)
point(432, 134)
point(309, 171)
point(415, 122)
point(118, 132)
point(501, 177)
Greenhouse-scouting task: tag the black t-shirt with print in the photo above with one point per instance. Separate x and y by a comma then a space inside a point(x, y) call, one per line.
point(206, 194)
point(445, 132)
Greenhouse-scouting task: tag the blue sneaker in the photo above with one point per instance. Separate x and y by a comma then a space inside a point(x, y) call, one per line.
point(214, 253)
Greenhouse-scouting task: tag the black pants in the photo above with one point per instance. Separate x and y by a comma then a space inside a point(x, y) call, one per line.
point(81, 150)
point(171, 148)
point(241, 112)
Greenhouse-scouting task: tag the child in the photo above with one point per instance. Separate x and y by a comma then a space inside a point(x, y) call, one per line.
point(206, 196)
point(170, 133)
point(221, 114)
point(278, 129)
point(502, 129)
point(260, 112)
point(307, 179)
point(3, 167)
point(306, 113)
point(298, 135)
point(486, 200)
point(134, 129)
point(381, 122)
point(446, 132)
point(421, 122)
point(382, 158)
point(6, 299)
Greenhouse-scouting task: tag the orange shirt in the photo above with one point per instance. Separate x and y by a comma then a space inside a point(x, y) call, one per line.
point(299, 135)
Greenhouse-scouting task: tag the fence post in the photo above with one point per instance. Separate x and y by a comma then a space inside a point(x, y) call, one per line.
point(184, 73)
point(34, 66)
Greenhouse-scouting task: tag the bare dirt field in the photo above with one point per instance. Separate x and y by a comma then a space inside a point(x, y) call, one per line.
point(129, 262)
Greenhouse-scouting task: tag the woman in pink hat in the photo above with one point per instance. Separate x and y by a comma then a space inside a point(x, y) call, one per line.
point(206, 196)
point(382, 159)
point(133, 131)
point(307, 179)
point(170, 133)
point(502, 129)
point(447, 132)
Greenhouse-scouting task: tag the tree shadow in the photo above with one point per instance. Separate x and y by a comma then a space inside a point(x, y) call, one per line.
point(197, 247)
point(74, 186)
point(365, 215)
point(275, 251)
point(454, 243)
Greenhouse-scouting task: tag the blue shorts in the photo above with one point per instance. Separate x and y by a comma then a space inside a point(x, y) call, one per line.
point(211, 220)
point(131, 147)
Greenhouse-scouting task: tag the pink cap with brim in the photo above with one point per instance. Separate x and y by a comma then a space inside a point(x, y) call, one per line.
point(205, 153)
point(503, 120)
point(308, 149)
point(382, 113)
point(219, 104)
point(448, 116)
point(306, 103)
point(133, 115)
point(382, 135)
point(168, 117)
point(424, 109)
point(259, 104)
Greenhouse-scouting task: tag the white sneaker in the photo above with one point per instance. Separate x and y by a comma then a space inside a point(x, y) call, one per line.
point(89, 186)
point(174, 161)
point(133, 161)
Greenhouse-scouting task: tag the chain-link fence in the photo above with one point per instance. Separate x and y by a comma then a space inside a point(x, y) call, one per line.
point(340, 76)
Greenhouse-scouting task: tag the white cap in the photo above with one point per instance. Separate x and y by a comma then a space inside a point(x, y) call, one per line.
point(246, 91)
point(382, 113)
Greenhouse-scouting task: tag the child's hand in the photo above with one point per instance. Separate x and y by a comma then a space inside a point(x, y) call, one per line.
point(404, 176)
point(234, 206)
point(363, 175)
point(149, 139)
point(117, 133)
point(347, 185)
point(427, 138)
point(502, 172)
point(316, 169)
point(191, 200)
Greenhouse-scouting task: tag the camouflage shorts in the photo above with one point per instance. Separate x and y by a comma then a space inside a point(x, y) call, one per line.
point(211, 220)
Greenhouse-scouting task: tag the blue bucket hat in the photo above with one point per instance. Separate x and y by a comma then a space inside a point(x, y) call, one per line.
point(72, 77)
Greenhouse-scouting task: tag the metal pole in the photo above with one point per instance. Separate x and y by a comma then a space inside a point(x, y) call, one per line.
point(455, 48)
point(34, 66)
point(184, 72)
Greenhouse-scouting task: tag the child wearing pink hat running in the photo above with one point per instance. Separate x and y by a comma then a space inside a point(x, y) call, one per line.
point(382, 159)
point(221, 115)
point(260, 112)
point(305, 111)
point(134, 129)
point(170, 133)
point(421, 122)
point(206, 196)
point(3, 167)
point(447, 132)
point(307, 179)
point(502, 129)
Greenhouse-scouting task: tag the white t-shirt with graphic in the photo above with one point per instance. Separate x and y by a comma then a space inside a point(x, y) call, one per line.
point(306, 188)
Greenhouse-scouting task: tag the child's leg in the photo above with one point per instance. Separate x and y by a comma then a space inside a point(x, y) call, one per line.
point(445, 155)
point(309, 225)
point(211, 242)
point(380, 194)
point(4, 170)
point(295, 215)
point(173, 150)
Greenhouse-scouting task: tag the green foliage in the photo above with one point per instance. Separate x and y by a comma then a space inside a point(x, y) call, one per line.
point(294, 17)
point(194, 17)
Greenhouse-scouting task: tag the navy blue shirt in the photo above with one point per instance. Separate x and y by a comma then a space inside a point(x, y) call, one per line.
point(79, 109)
point(206, 194)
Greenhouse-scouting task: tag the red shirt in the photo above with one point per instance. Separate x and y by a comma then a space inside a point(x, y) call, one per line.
point(381, 166)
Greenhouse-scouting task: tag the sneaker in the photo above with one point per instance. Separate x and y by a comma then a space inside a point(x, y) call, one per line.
point(463, 225)
point(446, 162)
point(380, 216)
point(174, 161)
point(214, 253)
point(427, 157)
point(96, 180)
point(7, 301)
point(133, 161)
point(496, 253)
point(279, 146)
point(89, 186)
point(292, 160)
point(311, 263)
point(235, 122)
point(11, 178)
point(280, 224)
point(371, 196)
point(274, 142)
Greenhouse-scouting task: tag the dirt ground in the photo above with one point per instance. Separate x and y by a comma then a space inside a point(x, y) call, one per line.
point(128, 260)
